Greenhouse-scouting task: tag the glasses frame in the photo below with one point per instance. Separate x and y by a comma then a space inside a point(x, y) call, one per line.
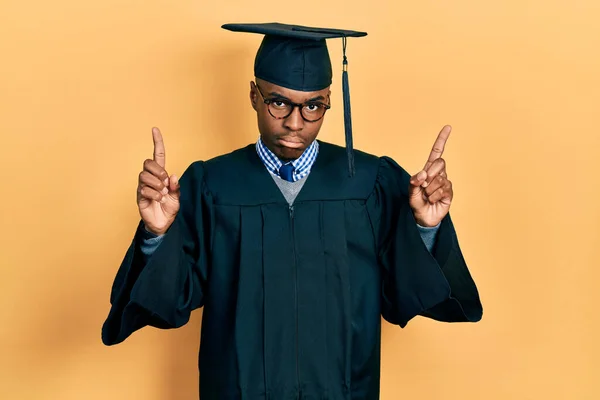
point(294, 105)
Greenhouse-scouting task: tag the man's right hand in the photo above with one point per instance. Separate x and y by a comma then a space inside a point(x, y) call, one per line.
point(157, 193)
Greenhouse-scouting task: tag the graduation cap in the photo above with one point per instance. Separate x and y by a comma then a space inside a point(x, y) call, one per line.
point(296, 57)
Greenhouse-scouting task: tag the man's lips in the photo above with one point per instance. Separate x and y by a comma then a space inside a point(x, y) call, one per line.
point(290, 143)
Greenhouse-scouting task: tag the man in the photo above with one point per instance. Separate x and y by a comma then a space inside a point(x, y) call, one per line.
point(294, 247)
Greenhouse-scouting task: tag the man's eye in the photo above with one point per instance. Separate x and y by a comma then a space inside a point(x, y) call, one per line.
point(279, 104)
point(312, 107)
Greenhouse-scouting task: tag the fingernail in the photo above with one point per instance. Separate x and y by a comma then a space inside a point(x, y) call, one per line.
point(165, 190)
point(164, 199)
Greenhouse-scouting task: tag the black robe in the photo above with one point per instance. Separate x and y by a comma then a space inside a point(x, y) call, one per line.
point(292, 296)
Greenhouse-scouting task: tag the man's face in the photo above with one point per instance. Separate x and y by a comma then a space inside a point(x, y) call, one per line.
point(288, 137)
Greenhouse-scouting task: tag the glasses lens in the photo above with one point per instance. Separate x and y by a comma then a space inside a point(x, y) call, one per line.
point(280, 108)
point(313, 111)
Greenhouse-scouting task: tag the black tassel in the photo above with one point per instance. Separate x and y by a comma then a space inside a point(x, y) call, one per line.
point(347, 113)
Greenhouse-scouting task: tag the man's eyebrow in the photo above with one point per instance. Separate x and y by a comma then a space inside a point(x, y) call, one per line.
point(280, 96)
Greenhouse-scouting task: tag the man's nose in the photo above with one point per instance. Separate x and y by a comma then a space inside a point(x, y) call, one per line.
point(294, 121)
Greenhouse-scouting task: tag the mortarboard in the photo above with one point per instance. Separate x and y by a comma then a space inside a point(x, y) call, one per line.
point(296, 57)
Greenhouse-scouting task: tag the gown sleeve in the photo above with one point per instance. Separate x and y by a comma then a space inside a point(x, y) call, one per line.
point(436, 285)
point(163, 289)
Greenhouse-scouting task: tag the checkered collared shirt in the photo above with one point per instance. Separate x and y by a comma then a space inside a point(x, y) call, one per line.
point(302, 165)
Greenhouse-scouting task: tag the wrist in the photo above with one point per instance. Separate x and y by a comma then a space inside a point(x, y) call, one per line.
point(424, 223)
point(153, 232)
point(419, 221)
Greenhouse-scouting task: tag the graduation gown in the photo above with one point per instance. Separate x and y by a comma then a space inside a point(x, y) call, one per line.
point(292, 295)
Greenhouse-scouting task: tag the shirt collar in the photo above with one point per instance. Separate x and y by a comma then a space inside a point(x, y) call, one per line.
point(302, 165)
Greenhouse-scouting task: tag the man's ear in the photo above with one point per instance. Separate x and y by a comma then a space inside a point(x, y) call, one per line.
point(253, 96)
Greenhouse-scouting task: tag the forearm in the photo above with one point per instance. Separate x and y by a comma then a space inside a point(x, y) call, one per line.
point(464, 304)
point(160, 291)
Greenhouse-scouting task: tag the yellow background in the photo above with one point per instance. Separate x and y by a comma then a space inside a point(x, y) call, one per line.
point(83, 82)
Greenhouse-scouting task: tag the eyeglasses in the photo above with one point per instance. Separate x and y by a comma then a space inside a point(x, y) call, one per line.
point(281, 108)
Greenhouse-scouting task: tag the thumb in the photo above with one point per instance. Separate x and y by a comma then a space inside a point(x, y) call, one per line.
point(416, 181)
point(174, 186)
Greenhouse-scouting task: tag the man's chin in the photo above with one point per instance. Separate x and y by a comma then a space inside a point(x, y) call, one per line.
point(288, 154)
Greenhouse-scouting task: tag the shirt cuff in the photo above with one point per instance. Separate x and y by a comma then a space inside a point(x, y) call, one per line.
point(428, 234)
point(150, 242)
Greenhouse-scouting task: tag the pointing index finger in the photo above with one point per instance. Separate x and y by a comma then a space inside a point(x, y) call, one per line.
point(438, 146)
point(159, 147)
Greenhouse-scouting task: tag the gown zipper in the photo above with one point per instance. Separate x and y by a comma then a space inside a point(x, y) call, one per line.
point(295, 295)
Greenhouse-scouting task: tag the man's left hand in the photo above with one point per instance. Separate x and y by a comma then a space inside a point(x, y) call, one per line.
point(430, 192)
